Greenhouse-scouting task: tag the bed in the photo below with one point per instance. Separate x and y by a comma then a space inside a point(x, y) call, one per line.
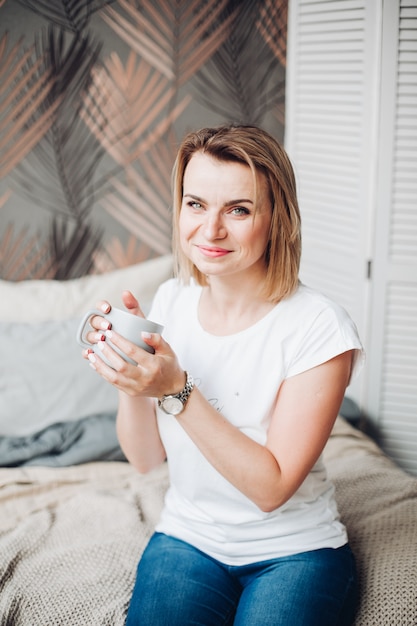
point(75, 517)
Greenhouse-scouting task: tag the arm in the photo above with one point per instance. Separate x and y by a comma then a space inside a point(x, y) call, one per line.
point(304, 413)
point(138, 433)
point(303, 416)
point(136, 424)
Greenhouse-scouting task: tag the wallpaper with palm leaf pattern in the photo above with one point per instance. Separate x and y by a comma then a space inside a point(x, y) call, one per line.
point(94, 98)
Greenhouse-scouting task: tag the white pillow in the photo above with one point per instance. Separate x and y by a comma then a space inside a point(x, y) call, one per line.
point(42, 300)
point(44, 380)
point(43, 377)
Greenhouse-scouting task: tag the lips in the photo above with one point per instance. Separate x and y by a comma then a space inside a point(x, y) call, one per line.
point(213, 252)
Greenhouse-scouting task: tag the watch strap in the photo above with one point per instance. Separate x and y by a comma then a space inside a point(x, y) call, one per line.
point(182, 395)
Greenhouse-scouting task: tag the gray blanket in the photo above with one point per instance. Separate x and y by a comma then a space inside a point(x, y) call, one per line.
point(60, 445)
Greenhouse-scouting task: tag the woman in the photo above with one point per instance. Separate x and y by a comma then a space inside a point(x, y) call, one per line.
point(240, 398)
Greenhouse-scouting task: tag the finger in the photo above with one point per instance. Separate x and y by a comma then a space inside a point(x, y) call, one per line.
point(106, 361)
point(119, 374)
point(134, 352)
point(86, 353)
point(114, 360)
point(94, 336)
point(99, 323)
point(131, 303)
point(154, 340)
point(98, 364)
point(104, 306)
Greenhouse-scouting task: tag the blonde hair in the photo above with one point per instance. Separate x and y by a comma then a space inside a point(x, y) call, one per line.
point(254, 147)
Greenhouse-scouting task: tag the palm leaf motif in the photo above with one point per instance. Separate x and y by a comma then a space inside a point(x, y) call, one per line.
point(243, 80)
point(71, 15)
point(59, 172)
point(3, 199)
point(72, 248)
point(24, 97)
point(272, 24)
point(142, 204)
point(175, 37)
point(126, 107)
point(117, 254)
point(23, 256)
point(65, 252)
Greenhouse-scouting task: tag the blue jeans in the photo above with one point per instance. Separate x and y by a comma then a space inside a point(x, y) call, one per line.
point(178, 585)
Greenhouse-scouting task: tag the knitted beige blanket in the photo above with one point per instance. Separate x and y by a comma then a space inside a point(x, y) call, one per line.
point(378, 503)
point(70, 538)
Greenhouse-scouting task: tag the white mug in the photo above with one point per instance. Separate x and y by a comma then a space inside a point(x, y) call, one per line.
point(126, 324)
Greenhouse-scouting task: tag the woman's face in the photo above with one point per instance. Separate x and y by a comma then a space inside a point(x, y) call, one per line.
point(220, 230)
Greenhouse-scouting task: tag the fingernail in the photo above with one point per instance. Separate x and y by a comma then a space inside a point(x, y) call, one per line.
point(92, 366)
point(105, 308)
point(91, 357)
point(100, 345)
point(100, 337)
point(109, 334)
point(105, 325)
point(146, 335)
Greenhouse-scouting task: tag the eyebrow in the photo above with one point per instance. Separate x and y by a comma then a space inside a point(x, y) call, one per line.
point(226, 204)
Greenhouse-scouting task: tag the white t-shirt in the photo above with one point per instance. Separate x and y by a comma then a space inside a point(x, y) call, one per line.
point(240, 375)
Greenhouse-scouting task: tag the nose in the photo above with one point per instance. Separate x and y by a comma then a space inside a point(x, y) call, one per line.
point(214, 227)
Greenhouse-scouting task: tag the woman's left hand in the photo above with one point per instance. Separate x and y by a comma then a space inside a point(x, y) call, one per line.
point(153, 376)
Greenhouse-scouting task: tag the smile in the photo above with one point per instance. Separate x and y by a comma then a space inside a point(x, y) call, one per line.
point(213, 252)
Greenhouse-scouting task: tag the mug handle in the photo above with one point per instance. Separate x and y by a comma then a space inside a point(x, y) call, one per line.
point(81, 329)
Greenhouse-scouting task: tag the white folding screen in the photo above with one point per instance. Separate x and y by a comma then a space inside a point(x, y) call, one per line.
point(351, 116)
point(392, 395)
point(331, 112)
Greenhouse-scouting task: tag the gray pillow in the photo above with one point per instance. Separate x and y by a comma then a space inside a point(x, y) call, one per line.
point(44, 379)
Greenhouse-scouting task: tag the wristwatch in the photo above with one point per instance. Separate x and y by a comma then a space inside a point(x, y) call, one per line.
point(174, 404)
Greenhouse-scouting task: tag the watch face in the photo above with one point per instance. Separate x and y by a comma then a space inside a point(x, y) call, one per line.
point(172, 405)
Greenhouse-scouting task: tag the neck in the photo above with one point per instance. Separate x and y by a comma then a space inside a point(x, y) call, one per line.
point(229, 306)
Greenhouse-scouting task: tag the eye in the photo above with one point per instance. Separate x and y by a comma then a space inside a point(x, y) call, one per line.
point(240, 211)
point(193, 204)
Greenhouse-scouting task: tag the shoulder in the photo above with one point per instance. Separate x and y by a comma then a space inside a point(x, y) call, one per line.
point(320, 330)
point(305, 294)
point(312, 307)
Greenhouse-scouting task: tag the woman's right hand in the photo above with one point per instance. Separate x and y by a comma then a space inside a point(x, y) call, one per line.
point(154, 375)
point(136, 421)
point(100, 324)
